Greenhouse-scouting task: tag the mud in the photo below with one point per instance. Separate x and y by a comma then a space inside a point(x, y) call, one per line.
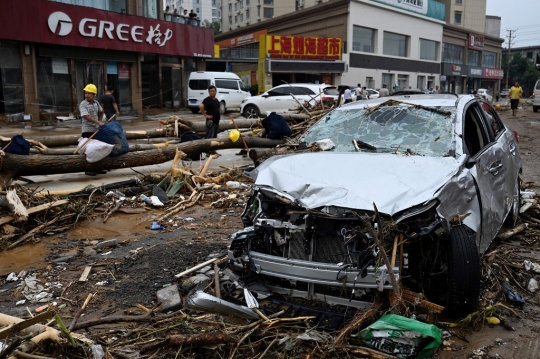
point(145, 261)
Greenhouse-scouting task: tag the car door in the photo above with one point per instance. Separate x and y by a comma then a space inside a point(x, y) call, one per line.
point(276, 101)
point(490, 171)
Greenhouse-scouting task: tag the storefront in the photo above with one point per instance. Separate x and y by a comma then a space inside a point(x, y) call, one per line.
point(49, 54)
point(300, 59)
point(492, 79)
point(453, 78)
point(474, 78)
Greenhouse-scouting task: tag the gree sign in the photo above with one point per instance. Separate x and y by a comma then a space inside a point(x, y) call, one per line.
point(60, 24)
point(302, 47)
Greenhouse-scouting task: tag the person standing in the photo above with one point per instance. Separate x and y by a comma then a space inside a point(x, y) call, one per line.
point(91, 113)
point(359, 92)
point(347, 95)
point(109, 103)
point(210, 110)
point(436, 89)
point(515, 94)
point(384, 91)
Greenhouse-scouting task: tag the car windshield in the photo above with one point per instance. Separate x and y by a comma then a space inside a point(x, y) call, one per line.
point(399, 129)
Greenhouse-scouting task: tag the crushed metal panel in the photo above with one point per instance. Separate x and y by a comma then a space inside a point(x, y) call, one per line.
point(357, 180)
point(204, 302)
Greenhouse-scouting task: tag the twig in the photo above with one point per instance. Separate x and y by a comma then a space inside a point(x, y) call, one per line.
point(80, 311)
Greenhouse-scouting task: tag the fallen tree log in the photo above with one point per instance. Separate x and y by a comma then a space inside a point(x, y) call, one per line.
point(72, 140)
point(33, 165)
point(132, 148)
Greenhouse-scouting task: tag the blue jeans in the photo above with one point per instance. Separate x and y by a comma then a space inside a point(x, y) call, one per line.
point(108, 115)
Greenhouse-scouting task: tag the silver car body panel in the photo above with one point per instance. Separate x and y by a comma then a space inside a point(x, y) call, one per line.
point(201, 301)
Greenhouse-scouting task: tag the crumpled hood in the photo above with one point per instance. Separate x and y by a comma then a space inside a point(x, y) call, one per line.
point(357, 180)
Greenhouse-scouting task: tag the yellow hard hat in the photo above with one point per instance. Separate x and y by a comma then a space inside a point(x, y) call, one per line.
point(91, 88)
point(234, 135)
point(497, 107)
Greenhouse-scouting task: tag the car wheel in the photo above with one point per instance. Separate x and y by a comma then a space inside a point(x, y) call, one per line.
point(535, 108)
point(251, 111)
point(463, 261)
point(194, 110)
point(222, 107)
point(513, 216)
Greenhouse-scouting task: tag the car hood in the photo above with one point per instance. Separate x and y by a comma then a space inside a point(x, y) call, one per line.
point(356, 180)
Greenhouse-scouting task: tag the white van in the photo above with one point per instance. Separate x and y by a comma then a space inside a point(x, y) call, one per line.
point(231, 90)
point(536, 101)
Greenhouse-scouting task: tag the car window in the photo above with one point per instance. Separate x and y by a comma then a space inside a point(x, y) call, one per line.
point(300, 90)
point(199, 84)
point(401, 128)
point(493, 122)
point(278, 91)
point(538, 85)
point(475, 136)
point(331, 91)
point(227, 84)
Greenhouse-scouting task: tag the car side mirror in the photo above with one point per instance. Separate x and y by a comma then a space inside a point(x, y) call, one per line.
point(471, 162)
point(264, 95)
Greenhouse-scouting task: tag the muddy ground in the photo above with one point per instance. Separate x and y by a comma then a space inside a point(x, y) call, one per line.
point(145, 261)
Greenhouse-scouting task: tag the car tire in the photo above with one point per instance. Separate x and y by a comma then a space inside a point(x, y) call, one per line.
point(463, 272)
point(535, 108)
point(251, 111)
point(222, 107)
point(194, 110)
point(513, 215)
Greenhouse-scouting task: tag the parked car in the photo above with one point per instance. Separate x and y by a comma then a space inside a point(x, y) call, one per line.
point(373, 94)
point(408, 92)
point(428, 180)
point(504, 93)
point(485, 94)
point(279, 99)
point(231, 90)
point(536, 100)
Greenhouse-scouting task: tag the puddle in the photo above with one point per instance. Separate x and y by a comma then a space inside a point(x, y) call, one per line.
point(23, 257)
point(119, 226)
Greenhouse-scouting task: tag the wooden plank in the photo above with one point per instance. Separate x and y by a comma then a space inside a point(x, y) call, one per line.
point(199, 266)
point(41, 207)
point(85, 274)
point(15, 328)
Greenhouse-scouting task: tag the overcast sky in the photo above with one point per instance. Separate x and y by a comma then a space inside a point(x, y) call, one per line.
point(520, 15)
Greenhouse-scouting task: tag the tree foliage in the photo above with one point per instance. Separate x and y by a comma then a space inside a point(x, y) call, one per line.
point(212, 25)
point(522, 70)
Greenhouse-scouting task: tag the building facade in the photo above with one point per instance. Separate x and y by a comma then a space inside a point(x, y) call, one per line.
point(206, 10)
point(49, 51)
point(467, 14)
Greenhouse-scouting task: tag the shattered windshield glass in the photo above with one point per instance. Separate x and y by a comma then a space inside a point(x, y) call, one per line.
point(398, 128)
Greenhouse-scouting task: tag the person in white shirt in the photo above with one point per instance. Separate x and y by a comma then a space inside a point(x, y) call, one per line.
point(347, 95)
point(384, 91)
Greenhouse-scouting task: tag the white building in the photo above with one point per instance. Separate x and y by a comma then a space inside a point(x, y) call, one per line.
point(209, 10)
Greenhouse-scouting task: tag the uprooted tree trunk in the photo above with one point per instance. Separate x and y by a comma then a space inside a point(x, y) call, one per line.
point(19, 165)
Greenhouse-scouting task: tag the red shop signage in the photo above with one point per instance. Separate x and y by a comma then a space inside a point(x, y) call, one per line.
point(496, 74)
point(44, 21)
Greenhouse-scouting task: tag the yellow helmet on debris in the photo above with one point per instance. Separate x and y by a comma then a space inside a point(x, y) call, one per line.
point(498, 107)
point(234, 135)
point(91, 88)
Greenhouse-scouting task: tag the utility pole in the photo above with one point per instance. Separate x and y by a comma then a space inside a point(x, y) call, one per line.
point(510, 38)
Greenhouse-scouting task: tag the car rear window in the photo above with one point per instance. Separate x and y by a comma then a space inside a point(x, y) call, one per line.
point(199, 84)
point(331, 91)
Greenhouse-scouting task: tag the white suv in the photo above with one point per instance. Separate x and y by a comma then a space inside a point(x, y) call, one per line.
point(279, 99)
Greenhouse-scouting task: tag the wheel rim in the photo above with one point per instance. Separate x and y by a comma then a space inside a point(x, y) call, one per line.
point(251, 112)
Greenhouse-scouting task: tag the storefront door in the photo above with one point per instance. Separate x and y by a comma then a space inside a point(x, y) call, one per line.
point(11, 84)
point(171, 83)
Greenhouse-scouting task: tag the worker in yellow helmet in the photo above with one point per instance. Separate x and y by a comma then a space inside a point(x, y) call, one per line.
point(91, 114)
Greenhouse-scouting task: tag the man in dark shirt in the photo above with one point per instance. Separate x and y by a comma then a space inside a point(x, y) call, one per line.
point(210, 110)
point(109, 103)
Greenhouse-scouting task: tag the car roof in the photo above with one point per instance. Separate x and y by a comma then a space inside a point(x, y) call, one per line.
point(429, 100)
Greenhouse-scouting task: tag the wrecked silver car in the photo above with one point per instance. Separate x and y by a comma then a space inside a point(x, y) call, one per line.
point(421, 183)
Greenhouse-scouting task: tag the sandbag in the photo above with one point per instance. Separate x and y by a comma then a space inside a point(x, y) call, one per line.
point(113, 134)
point(95, 150)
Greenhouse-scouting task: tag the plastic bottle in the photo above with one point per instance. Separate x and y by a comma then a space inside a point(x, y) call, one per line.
point(233, 184)
point(145, 199)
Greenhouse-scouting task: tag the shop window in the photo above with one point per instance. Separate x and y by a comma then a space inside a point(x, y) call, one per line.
point(473, 58)
point(119, 77)
point(452, 54)
point(457, 17)
point(363, 39)
point(370, 82)
point(150, 9)
point(403, 81)
point(420, 82)
point(54, 85)
point(110, 5)
point(395, 44)
point(268, 12)
point(11, 84)
point(489, 59)
point(388, 79)
point(429, 50)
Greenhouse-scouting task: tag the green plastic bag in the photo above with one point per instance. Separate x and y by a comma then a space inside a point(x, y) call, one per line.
point(402, 337)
